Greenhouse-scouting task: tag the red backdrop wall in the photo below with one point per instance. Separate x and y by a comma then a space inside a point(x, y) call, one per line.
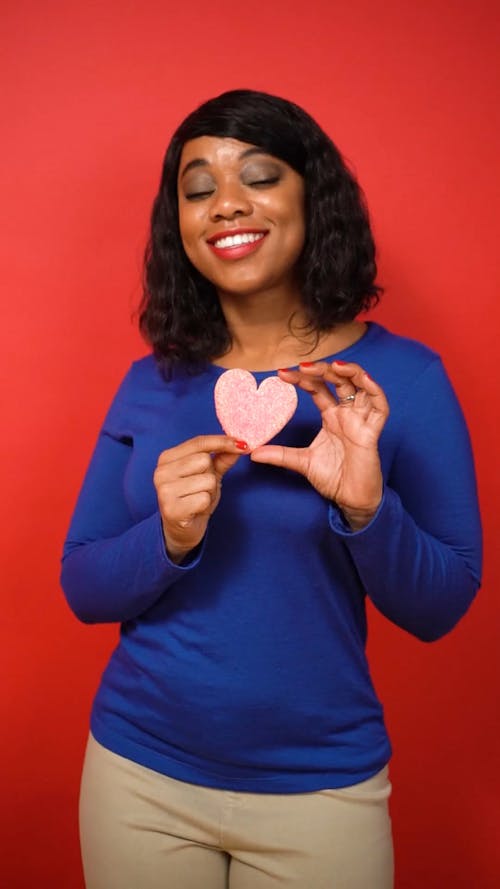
point(92, 92)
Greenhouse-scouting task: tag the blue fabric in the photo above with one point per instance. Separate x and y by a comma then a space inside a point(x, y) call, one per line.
point(244, 668)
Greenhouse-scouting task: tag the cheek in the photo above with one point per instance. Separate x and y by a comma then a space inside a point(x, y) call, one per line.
point(191, 221)
point(300, 224)
point(295, 231)
point(186, 227)
point(289, 216)
point(192, 248)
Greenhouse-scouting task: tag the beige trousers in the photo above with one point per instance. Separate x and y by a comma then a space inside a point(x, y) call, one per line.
point(142, 830)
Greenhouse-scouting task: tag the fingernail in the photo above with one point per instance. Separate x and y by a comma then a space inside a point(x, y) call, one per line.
point(368, 375)
point(307, 364)
point(285, 370)
point(338, 361)
point(242, 445)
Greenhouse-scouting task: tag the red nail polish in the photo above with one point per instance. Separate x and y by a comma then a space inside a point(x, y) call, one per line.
point(242, 445)
point(368, 375)
point(285, 370)
point(338, 361)
point(307, 364)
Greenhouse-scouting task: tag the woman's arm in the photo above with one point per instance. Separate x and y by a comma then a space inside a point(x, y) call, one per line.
point(419, 559)
point(114, 569)
point(415, 542)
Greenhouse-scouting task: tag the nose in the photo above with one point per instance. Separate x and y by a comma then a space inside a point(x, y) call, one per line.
point(230, 201)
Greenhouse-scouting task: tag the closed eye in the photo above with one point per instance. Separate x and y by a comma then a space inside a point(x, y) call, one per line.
point(255, 183)
point(263, 182)
point(197, 195)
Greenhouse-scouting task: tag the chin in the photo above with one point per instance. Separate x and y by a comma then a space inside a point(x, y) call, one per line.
point(244, 292)
point(242, 287)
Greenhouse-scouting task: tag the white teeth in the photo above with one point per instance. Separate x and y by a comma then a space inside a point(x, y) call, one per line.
point(237, 240)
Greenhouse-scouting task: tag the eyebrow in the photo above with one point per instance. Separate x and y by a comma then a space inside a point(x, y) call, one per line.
point(202, 162)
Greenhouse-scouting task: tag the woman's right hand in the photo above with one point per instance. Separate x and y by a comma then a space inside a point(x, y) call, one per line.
point(188, 480)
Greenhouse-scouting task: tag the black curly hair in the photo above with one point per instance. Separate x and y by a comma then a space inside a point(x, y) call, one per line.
point(180, 315)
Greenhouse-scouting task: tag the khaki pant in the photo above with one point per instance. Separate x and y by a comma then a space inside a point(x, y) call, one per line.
point(142, 830)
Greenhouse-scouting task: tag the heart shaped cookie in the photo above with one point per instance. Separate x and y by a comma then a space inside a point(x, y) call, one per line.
point(250, 414)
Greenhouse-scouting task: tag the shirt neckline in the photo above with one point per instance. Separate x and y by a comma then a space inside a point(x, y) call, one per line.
point(372, 330)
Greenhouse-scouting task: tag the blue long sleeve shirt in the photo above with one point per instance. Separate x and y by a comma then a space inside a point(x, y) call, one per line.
point(244, 668)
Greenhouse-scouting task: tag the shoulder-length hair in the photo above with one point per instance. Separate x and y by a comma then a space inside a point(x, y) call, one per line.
point(180, 314)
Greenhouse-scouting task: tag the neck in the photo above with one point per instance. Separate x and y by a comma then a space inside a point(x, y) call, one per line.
point(270, 330)
point(263, 327)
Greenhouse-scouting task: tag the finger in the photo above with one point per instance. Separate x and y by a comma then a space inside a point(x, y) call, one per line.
point(311, 374)
point(340, 373)
point(375, 395)
point(192, 506)
point(308, 369)
point(312, 383)
point(184, 467)
point(286, 458)
point(345, 387)
point(195, 484)
point(208, 444)
point(337, 372)
point(182, 509)
point(223, 462)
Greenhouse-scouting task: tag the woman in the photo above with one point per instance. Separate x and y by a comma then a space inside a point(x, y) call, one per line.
point(236, 738)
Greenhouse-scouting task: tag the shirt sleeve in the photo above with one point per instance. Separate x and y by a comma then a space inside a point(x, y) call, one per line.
point(419, 559)
point(114, 569)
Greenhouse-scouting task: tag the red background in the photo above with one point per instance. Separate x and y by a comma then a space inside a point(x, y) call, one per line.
point(92, 92)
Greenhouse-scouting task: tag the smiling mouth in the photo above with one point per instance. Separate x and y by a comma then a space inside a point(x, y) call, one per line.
point(235, 246)
point(237, 240)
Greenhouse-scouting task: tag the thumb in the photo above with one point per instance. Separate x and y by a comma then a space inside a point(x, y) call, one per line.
point(277, 455)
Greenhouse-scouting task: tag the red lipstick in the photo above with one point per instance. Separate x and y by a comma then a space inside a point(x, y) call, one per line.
point(240, 249)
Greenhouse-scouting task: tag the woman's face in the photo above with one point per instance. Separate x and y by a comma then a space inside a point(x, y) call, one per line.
point(241, 215)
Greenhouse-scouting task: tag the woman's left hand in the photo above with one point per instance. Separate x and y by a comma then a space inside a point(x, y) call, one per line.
point(342, 462)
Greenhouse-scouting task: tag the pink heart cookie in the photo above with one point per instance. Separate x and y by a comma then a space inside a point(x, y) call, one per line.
point(250, 414)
